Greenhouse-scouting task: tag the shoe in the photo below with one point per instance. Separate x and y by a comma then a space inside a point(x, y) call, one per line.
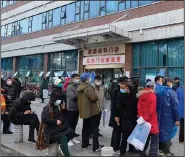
point(75, 141)
point(70, 144)
point(100, 135)
point(60, 150)
point(7, 132)
point(161, 153)
point(77, 135)
point(32, 141)
point(116, 152)
point(89, 146)
point(99, 149)
point(123, 155)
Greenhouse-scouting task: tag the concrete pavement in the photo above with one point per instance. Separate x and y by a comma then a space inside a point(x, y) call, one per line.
point(29, 149)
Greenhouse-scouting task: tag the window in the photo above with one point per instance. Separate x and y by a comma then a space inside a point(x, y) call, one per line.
point(134, 3)
point(9, 33)
point(70, 13)
point(128, 2)
point(102, 8)
point(17, 28)
point(50, 19)
point(24, 26)
point(6, 63)
point(55, 61)
point(44, 21)
point(4, 4)
point(2, 32)
point(122, 5)
point(30, 24)
point(56, 17)
point(6, 31)
point(37, 23)
point(142, 2)
point(150, 57)
point(111, 6)
point(94, 8)
point(86, 10)
point(63, 15)
point(77, 11)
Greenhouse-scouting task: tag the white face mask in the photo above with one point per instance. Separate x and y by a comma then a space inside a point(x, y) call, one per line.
point(171, 85)
point(57, 103)
point(76, 81)
point(97, 83)
point(9, 83)
point(161, 83)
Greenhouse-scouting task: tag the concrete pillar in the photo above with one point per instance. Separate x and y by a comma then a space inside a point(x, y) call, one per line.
point(80, 62)
point(128, 58)
point(46, 63)
point(14, 68)
point(18, 133)
point(53, 149)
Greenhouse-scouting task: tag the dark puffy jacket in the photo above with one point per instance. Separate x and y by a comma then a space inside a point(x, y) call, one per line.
point(114, 91)
point(17, 85)
point(127, 109)
point(19, 106)
point(9, 94)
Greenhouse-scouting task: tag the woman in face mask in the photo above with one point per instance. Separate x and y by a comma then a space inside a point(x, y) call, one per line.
point(57, 129)
point(126, 114)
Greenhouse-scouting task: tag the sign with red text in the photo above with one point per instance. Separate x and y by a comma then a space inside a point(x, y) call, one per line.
point(111, 59)
point(107, 50)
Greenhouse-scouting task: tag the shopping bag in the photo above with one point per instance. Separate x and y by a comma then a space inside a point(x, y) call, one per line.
point(11, 128)
point(139, 135)
point(45, 93)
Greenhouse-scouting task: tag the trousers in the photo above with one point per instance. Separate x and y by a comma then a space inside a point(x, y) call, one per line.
point(64, 146)
point(88, 124)
point(116, 138)
point(31, 120)
point(72, 118)
point(154, 145)
point(6, 122)
point(181, 133)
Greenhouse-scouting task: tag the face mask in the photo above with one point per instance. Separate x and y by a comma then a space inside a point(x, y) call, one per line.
point(98, 83)
point(59, 85)
point(123, 91)
point(115, 81)
point(161, 83)
point(57, 103)
point(9, 83)
point(76, 81)
point(171, 85)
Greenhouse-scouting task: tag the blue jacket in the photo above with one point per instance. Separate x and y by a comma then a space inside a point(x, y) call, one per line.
point(167, 110)
point(180, 95)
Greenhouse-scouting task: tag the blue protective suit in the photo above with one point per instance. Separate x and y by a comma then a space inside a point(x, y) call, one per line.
point(167, 110)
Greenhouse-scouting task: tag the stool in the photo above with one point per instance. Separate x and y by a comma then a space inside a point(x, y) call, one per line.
point(18, 133)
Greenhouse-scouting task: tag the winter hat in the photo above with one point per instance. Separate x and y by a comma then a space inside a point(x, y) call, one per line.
point(57, 81)
point(150, 84)
point(85, 76)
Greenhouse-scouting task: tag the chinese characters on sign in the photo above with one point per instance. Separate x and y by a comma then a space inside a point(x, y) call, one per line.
point(114, 59)
point(115, 49)
point(110, 50)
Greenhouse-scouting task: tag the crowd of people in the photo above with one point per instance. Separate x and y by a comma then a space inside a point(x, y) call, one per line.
point(160, 103)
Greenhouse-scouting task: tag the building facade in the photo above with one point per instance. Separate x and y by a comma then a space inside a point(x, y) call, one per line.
point(112, 38)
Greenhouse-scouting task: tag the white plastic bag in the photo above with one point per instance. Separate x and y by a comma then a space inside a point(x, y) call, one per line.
point(139, 135)
point(45, 93)
point(11, 128)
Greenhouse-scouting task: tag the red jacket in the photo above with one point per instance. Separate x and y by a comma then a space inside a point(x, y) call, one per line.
point(147, 108)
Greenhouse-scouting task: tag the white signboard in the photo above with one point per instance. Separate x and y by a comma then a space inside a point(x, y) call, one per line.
point(111, 59)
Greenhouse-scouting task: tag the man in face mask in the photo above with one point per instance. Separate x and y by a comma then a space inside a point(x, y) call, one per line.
point(72, 106)
point(100, 93)
point(176, 83)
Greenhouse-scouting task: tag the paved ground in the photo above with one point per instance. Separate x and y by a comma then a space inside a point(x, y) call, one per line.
point(29, 149)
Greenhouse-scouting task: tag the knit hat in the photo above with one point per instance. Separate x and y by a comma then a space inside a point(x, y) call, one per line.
point(150, 84)
point(85, 76)
point(57, 81)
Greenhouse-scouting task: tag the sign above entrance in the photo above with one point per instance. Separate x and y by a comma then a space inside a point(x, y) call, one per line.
point(111, 59)
point(114, 49)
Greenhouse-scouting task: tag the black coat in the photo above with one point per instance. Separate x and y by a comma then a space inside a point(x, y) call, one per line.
point(114, 91)
point(127, 109)
point(9, 93)
point(19, 106)
point(56, 93)
point(53, 132)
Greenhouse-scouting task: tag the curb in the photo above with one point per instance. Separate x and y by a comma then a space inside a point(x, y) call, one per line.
point(11, 150)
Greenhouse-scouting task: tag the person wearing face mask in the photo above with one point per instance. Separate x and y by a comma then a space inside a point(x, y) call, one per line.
point(89, 112)
point(100, 93)
point(21, 113)
point(168, 116)
point(126, 113)
point(158, 82)
point(176, 83)
point(57, 128)
point(72, 106)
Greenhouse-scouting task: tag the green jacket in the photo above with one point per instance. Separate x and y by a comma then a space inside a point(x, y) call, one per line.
point(87, 99)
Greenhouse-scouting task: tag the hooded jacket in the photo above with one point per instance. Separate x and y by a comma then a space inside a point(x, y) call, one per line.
point(20, 106)
point(167, 111)
point(87, 99)
point(147, 108)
